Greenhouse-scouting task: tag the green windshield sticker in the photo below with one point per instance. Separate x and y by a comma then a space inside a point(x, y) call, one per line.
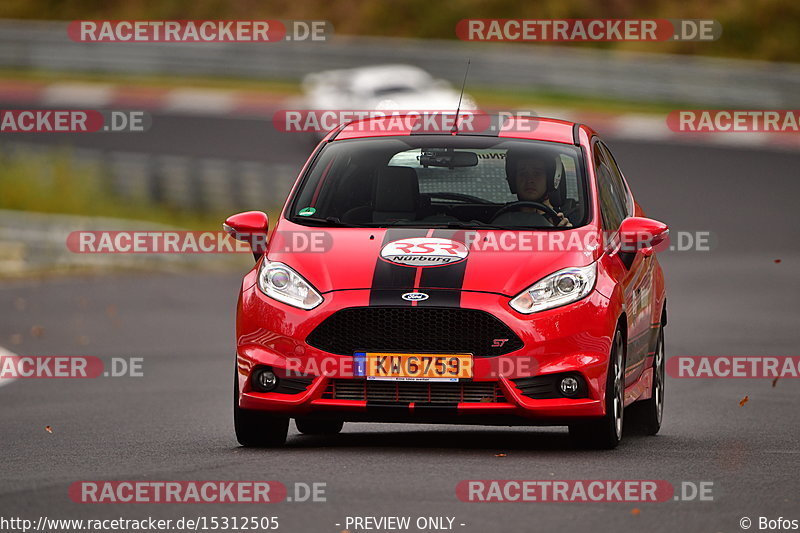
point(307, 211)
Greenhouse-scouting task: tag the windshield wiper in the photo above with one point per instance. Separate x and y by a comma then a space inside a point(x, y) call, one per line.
point(473, 224)
point(456, 224)
point(327, 221)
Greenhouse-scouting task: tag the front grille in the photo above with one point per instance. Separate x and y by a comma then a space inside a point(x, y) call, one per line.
point(392, 392)
point(414, 329)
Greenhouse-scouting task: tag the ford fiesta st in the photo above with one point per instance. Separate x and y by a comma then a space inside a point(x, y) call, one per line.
point(501, 275)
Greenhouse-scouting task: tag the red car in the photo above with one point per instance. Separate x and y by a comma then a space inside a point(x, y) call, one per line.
point(501, 275)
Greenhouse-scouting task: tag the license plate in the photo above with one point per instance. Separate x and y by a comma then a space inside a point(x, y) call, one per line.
point(413, 366)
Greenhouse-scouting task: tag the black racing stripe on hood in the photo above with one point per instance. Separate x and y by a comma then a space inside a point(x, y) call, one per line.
point(390, 297)
point(449, 279)
point(389, 277)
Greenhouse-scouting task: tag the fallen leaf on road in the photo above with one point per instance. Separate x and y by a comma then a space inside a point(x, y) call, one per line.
point(82, 340)
point(499, 455)
point(744, 401)
point(775, 381)
point(48, 429)
point(37, 331)
point(635, 511)
point(777, 261)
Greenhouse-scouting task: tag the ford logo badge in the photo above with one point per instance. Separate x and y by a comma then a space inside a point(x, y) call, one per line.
point(415, 296)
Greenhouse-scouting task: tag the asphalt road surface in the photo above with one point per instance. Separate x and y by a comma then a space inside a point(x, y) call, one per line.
point(174, 423)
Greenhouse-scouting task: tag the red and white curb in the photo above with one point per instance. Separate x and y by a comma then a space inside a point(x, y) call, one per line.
point(261, 105)
point(185, 100)
point(648, 127)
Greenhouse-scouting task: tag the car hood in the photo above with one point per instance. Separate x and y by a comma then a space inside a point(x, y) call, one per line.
point(504, 262)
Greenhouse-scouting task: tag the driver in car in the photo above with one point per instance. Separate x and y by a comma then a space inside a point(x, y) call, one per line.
point(532, 177)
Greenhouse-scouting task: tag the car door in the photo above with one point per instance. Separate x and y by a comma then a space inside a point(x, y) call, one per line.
point(632, 270)
point(643, 267)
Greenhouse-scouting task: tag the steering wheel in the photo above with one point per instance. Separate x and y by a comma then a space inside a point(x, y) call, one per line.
point(548, 211)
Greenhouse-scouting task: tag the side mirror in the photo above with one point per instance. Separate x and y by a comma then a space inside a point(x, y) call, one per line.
point(251, 227)
point(643, 234)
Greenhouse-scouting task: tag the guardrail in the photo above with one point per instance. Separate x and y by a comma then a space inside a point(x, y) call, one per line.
point(33, 243)
point(634, 76)
point(36, 243)
point(197, 184)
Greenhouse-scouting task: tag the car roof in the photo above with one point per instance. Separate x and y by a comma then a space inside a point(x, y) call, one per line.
point(491, 125)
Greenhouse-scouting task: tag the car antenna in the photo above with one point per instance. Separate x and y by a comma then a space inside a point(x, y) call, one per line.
point(458, 109)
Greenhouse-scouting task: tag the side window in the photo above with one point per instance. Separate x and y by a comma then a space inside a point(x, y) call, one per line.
point(613, 202)
point(619, 181)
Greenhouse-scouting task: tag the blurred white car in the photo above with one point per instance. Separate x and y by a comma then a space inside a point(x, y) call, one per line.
point(384, 87)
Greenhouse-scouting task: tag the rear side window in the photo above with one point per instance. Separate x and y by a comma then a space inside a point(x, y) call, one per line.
point(611, 190)
point(618, 179)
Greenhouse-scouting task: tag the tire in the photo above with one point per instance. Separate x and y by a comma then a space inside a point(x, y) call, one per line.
point(257, 429)
point(647, 414)
point(605, 433)
point(318, 427)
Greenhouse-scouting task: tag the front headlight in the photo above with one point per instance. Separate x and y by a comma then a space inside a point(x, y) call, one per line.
point(560, 288)
point(280, 282)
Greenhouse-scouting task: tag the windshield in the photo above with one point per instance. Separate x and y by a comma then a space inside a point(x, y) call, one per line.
point(394, 89)
point(443, 181)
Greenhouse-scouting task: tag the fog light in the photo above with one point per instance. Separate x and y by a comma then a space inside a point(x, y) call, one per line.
point(569, 386)
point(264, 380)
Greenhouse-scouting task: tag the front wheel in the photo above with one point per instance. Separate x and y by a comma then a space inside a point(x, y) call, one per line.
point(647, 414)
point(257, 429)
point(605, 433)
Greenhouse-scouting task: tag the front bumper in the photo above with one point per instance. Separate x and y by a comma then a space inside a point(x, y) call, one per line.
point(575, 339)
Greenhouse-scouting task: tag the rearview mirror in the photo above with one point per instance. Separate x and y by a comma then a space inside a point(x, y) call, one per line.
point(643, 234)
point(447, 158)
point(251, 227)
